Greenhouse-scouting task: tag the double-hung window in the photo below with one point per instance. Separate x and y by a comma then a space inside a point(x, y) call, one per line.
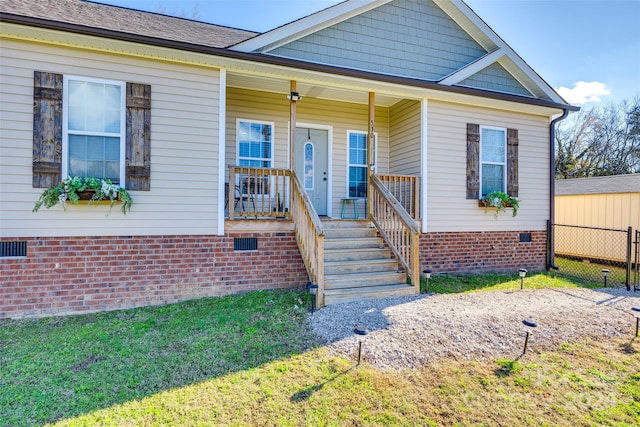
point(493, 159)
point(255, 144)
point(357, 164)
point(94, 129)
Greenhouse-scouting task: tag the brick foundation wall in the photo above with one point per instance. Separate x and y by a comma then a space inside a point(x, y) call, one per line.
point(475, 252)
point(73, 275)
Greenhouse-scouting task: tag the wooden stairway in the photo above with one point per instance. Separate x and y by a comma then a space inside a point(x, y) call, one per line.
point(357, 266)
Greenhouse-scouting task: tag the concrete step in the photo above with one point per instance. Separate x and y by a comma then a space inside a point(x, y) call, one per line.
point(353, 243)
point(336, 296)
point(359, 280)
point(360, 266)
point(346, 254)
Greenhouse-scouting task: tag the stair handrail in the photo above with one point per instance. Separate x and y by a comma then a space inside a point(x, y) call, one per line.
point(399, 230)
point(309, 235)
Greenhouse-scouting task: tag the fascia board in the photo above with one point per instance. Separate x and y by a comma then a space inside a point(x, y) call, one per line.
point(307, 25)
point(472, 68)
point(489, 35)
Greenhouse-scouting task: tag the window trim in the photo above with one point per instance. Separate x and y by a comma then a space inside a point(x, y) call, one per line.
point(65, 123)
point(503, 164)
point(260, 122)
point(375, 154)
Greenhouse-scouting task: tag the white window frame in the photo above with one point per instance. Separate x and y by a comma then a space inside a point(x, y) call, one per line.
point(65, 123)
point(375, 154)
point(259, 122)
point(504, 164)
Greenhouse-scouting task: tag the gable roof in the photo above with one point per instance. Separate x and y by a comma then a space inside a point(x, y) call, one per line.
point(105, 22)
point(496, 53)
point(97, 15)
point(599, 185)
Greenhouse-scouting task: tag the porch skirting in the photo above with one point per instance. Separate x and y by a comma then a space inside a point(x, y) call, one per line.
point(483, 252)
point(72, 275)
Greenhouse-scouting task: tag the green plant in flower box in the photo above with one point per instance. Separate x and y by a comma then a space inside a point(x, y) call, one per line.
point(74, 189)
point(500, 200)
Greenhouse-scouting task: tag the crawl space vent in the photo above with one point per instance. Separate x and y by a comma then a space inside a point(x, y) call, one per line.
point(13, 249)
point(245, 244)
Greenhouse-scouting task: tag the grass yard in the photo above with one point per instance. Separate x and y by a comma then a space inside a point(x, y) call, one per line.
point(251, 360)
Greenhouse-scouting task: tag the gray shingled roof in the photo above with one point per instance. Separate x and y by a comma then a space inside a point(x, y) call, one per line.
point(128, 21)
point(599, 185)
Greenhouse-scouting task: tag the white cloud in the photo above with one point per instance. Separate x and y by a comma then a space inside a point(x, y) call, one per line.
point(583, 92)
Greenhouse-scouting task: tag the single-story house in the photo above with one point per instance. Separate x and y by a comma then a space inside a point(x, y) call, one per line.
point(348, 149)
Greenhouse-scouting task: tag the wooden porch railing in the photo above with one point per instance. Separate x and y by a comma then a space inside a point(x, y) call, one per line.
point(258, 192)
point(397, 227)
point(309, 234)
point(406, 190)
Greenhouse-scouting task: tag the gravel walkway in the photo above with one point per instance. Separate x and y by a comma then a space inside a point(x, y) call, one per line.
point(411, 331)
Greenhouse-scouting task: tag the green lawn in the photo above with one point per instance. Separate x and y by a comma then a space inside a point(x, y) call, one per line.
point(251, 360)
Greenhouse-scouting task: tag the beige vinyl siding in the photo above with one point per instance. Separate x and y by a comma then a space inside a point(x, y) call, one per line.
point(340, 116)
point(448, 208)
point(184, 146)
point(619, 210)
point(405, 138)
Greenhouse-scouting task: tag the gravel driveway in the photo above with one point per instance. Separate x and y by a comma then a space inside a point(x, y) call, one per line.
point(411, 331)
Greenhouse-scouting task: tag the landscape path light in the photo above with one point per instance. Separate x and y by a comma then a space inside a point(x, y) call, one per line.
point(427, 275)
point(605, 274)
point(362, 331)
point(636, 313)
point(530, 325)
point(522, 272)
point(313, 290)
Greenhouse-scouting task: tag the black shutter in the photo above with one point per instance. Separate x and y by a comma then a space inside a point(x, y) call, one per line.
point(512, 162)
point(138, 138)
point(473, 161)
point(47, 129)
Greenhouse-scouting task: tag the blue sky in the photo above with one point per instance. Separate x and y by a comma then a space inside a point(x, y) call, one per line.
point(588, 50)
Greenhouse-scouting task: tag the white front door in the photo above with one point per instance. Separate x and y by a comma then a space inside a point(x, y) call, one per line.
point(312, 165)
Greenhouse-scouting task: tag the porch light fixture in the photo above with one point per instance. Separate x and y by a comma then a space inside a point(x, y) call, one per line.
point(294, 96)
point(359, 330)
point(522, 272)
point(313, 291)
point(636, 313)
point(427, 275)
point(605, 274)
point(530, 325)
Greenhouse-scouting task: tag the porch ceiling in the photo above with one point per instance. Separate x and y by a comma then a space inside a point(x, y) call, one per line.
point(305, 89)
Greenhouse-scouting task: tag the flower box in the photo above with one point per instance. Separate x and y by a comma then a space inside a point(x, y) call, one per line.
point(85, 191)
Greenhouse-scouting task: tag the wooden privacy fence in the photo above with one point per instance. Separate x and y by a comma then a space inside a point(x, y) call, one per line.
point(397, 227)
point(406, 190)
point(258, 192)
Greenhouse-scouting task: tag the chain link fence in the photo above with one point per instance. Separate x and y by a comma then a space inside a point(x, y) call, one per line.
point(596, 255)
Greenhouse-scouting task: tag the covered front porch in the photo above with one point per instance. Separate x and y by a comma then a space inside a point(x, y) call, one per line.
point(303, 153)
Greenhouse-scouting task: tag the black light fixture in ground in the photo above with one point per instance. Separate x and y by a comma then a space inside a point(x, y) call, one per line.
point(427, 275)
point(522, 272)
point(529, 327)
point(313, 290)
point(605, 274)
point(636, 313)
point(359, 330)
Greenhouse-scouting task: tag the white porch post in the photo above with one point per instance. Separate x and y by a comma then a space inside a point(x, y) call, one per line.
point(424, 159)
